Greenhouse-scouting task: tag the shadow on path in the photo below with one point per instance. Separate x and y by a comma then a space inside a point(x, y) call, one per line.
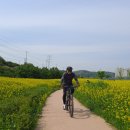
point(81, 114)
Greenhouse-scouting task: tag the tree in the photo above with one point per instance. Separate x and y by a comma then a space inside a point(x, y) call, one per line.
point(11, 64)
point(55, 72)
point(107, 76)
point(27, 70)
point(2, 61)
point(7, 71)
point(101, 74)
point(45, 73)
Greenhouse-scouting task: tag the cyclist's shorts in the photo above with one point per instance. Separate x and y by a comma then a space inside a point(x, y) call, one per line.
point(66, 87)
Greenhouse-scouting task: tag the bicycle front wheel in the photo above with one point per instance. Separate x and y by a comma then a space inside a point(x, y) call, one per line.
point(71, 106)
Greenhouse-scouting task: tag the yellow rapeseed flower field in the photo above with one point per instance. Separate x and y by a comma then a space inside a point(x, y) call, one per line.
point(108, 98)
point(21, 100)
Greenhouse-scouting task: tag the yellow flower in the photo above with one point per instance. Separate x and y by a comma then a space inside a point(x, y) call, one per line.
point(129, 118)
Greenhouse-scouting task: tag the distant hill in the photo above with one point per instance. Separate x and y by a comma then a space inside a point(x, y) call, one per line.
point(8, 68)
point(7, 63)
point(85, 73)
point(27, 70)
point(89, 74)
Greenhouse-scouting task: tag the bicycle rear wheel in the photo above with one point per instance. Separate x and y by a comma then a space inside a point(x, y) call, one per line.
point(71, 106)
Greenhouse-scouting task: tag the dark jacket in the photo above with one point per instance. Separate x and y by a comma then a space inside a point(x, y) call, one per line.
point(66, 79)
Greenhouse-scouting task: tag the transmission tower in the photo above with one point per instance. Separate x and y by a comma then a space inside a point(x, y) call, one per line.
point(48, 61)
point(26, 58)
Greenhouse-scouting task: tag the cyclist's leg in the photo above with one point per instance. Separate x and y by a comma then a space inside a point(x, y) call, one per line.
point(64, 94)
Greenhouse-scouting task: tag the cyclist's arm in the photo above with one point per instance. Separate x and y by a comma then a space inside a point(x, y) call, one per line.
point(76, 79)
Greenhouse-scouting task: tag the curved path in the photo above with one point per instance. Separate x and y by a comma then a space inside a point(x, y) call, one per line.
point(55, 118)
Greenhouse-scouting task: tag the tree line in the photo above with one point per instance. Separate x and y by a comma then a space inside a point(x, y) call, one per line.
point(27, 70)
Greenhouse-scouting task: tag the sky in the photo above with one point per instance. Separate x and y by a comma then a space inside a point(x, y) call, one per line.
point(87, 35)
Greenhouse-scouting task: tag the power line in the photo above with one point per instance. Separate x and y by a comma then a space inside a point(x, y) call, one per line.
point(36, 57)
point(15, 49)
point(9, 55)
point(9, 47)
point(5, 45)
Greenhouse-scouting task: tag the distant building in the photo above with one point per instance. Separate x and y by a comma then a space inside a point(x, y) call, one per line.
point(122, 73)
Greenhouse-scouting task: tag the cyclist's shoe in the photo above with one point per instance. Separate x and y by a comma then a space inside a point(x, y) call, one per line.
point(64, 107)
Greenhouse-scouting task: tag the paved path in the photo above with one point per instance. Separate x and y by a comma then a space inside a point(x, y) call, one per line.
point(55, 118)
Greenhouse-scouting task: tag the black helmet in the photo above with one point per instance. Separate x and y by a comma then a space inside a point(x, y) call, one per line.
point(69, 68)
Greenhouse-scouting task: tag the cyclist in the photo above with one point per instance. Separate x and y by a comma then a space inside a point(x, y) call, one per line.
point(66, 81)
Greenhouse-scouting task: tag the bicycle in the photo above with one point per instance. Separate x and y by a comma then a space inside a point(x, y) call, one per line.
point(69, 105)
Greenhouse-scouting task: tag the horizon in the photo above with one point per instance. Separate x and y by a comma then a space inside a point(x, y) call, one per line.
point(57, 67)
point(87, 35)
